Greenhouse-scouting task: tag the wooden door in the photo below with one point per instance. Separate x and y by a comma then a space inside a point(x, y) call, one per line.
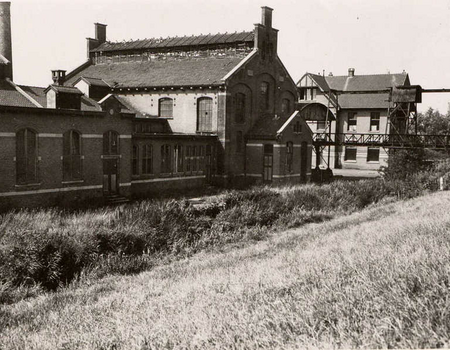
point(110, 176)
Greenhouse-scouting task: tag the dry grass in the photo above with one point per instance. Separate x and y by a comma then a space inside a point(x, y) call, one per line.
point(378, 278)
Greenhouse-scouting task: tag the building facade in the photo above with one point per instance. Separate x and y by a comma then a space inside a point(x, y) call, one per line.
point(148, 116)
point(358, 104)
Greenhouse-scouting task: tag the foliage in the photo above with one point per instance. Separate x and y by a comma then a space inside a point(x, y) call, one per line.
point(433, 123)
point(44, 249)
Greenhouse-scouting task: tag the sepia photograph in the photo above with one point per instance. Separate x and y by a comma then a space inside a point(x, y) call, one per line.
point(189, 174)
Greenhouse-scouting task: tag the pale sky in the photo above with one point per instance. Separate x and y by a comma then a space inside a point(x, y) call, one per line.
point(372, 36)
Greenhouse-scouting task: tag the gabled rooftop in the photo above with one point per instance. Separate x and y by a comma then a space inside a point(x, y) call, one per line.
point(161, 73)
point(366, 82)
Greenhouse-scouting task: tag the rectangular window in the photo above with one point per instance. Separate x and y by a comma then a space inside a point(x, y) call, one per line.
point(194, 158)
point(201, 158)
point(264, 102)
point(350, 153)
point(240, 108)
point(298, 127)
point(188, 158)
point(166, 166)
point(135, 160)
point(321, 124)
point(373, 154)
point(166, 107)
point(375, 121)
point(72, 159)
point(239, 142)
point(147, 159)
point(26, 156)
point(178, 158)
point(289, 156)
point(302, 94)
point(351, 121)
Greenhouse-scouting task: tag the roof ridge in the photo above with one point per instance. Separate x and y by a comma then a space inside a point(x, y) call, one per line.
point(362, 75)
point(175, 37)
point(23, 93)
point(31, 86)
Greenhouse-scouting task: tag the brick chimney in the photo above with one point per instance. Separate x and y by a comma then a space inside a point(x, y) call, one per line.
point(59, 77)
point(100, 37)
point(351, 72)
point(266, 37)
point(266, 18)
point(5, 41)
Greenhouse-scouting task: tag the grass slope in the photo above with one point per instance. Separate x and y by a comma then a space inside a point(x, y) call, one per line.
point(377, 278)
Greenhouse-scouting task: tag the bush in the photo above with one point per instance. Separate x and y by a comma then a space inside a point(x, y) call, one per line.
point(48, 248)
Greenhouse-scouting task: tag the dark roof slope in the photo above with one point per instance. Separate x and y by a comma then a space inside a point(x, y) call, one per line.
point(321, 81)
point(194, 40)
point(9, 96)
point(366, 82)
point(267, 127)
point(37, 93)
point(180, 72)
point(362, 101)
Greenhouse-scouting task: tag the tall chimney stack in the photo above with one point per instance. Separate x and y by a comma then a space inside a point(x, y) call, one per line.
point(5, 36)
point(266, 19)
point(100, 32)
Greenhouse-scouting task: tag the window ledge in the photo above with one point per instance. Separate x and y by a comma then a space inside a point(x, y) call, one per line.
point(165, 175)
point(373, 161)
point(72, 182)
point(27, 186)
point(350, 161)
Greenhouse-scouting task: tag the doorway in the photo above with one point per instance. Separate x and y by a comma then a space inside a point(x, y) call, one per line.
point(268, 164)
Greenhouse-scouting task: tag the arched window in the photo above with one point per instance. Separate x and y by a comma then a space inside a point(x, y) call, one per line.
point(110, 143)
point(239, 115)
point(72, 159)
point(204, 114)
point(26, 156)
point(166, 160)
point(264, 99)
point(285, 106)
point(165, 107)
point(289, 156)
point(147, 159)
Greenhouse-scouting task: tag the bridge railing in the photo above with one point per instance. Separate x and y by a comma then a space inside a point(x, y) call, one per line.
point(383, 140)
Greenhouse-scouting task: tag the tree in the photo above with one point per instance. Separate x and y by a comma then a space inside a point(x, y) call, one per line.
point(433, 123)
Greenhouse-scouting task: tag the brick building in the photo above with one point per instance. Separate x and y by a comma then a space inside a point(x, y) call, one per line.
point(358, 104)
point(148, 115)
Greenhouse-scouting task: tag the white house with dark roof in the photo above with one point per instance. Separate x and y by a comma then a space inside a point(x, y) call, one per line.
point(360, 104)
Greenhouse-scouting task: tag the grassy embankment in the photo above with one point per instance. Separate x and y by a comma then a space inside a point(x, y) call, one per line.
point(377, 278)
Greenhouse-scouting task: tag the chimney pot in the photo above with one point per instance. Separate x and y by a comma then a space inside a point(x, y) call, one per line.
point(266, 19)
point(59, 76)
point(351, 72)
